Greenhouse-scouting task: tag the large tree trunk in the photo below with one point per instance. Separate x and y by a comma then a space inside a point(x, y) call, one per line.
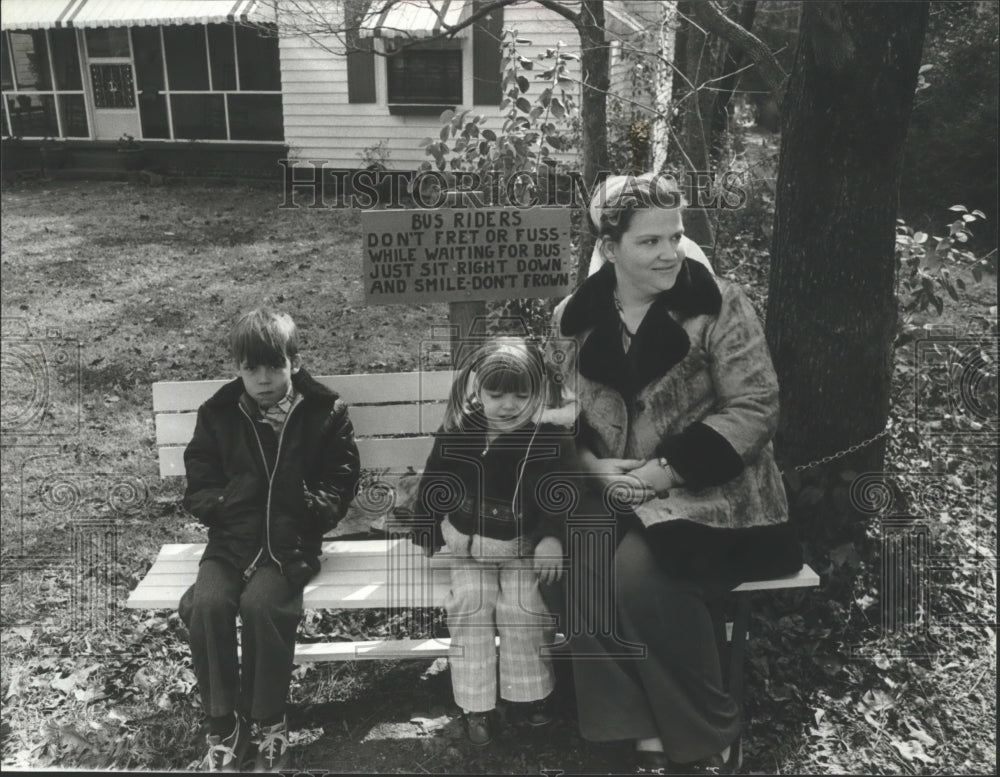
point(595, 61)
point(831, 309)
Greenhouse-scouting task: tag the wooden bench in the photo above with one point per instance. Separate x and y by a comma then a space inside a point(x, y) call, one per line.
point(394, 415)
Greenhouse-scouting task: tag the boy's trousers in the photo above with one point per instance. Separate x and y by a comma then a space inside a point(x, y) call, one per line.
point(494, 589)
point(270, 608)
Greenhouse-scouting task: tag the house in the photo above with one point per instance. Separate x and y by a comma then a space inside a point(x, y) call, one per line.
point(234, 85)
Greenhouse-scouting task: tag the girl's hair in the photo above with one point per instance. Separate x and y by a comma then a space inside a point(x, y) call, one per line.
point(264, 336)
point(617, 199)
point(504, 364)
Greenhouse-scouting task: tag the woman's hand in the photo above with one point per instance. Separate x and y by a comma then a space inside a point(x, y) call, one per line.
point(654, 478)
point(548, 559)
point(609, 469)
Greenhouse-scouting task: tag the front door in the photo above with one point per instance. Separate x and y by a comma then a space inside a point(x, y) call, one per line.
point(112, 83)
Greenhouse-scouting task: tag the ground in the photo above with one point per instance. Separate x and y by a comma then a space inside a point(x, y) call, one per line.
point(145, 281)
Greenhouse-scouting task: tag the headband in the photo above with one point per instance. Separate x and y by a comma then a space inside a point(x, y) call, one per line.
point(606, 196)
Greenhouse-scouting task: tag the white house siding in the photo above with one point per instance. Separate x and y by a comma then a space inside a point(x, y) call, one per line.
point(320, 123)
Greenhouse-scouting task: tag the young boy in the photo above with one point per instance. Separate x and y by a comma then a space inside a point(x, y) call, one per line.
point(272, 467)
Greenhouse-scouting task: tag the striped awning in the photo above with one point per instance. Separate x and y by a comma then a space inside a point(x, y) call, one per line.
point(32, 14)
point(411, 18)
point(42, 14)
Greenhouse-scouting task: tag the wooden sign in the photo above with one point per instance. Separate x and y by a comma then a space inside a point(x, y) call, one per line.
point(461, 254)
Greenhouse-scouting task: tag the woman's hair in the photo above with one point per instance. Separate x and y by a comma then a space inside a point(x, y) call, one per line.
point(617, 199)
point(264, 336)
point(504, 364)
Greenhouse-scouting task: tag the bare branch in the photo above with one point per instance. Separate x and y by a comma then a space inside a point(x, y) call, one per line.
point(721, 25)
point(562, 10)
point(309, 21)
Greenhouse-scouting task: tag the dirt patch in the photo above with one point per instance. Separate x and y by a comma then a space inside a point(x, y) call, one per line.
point(407, 722)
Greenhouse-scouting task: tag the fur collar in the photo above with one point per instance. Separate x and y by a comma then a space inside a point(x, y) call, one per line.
point(658, 344)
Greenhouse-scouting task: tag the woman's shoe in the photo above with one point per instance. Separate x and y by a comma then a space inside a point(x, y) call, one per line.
point(478, 727)
point(716, 764)
point(532, 713)
point(651, 762)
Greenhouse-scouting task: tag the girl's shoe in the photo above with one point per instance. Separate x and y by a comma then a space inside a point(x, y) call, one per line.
point(225, 754)
point(272, 749)
point(478, 727)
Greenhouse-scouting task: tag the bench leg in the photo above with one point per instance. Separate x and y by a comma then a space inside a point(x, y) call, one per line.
point(741, 624)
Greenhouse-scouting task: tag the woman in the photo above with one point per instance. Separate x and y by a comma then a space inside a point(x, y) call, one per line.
point(676, 395)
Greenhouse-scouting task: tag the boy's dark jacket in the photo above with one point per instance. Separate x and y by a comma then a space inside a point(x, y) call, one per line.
point(251, 516)
point(473, 484)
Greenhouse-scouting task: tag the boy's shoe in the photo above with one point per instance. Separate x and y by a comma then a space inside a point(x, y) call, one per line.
point(478, 727)
point(225, 754)
point(272, 748)
point(534, 713)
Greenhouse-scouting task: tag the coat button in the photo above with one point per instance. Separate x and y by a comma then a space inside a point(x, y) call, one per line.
point(494, 511)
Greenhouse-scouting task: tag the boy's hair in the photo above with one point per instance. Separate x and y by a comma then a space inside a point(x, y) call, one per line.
point(264, 336)
point(504, 364)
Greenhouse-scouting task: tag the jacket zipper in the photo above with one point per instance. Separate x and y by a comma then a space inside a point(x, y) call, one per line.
point(248, 572)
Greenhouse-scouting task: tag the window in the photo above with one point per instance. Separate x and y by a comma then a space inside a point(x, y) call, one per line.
point(223, 82)
point(150, 83)
point(113, 86)
point(425, 78)
point(107, 42)
point(187, 62)
point(42, 85)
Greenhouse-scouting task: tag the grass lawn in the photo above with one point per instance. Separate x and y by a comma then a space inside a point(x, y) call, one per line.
point(109, 287)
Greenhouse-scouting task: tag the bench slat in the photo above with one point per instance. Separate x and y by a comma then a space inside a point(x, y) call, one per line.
point(368, 421)
point(376, 453)
point(357, 574)
point(355, 596)
point(370, 388)
point(372, 649)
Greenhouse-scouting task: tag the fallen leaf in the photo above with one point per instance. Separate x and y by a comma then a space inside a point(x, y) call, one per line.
point(24, 632)
point(919, 734)
point(66, 684)
point(912, 749)
point(86, 694)
point(73, 739)
point(15, 683)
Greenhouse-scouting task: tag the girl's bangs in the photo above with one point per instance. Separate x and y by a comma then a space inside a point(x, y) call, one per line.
point(505, 377)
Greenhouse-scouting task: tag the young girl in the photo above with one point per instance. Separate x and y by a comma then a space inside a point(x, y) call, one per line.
point(484, 486)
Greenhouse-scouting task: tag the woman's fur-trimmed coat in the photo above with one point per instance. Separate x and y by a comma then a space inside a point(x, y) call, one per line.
point(697, 387)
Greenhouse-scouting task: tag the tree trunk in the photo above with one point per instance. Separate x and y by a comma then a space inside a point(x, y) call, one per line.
point(595, 63)
point(694, 141)
point(663, 83)
point(733, 61)
point(831, 309)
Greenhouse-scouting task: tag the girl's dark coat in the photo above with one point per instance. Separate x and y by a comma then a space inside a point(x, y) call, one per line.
point(264, 495)
point(472, 483)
